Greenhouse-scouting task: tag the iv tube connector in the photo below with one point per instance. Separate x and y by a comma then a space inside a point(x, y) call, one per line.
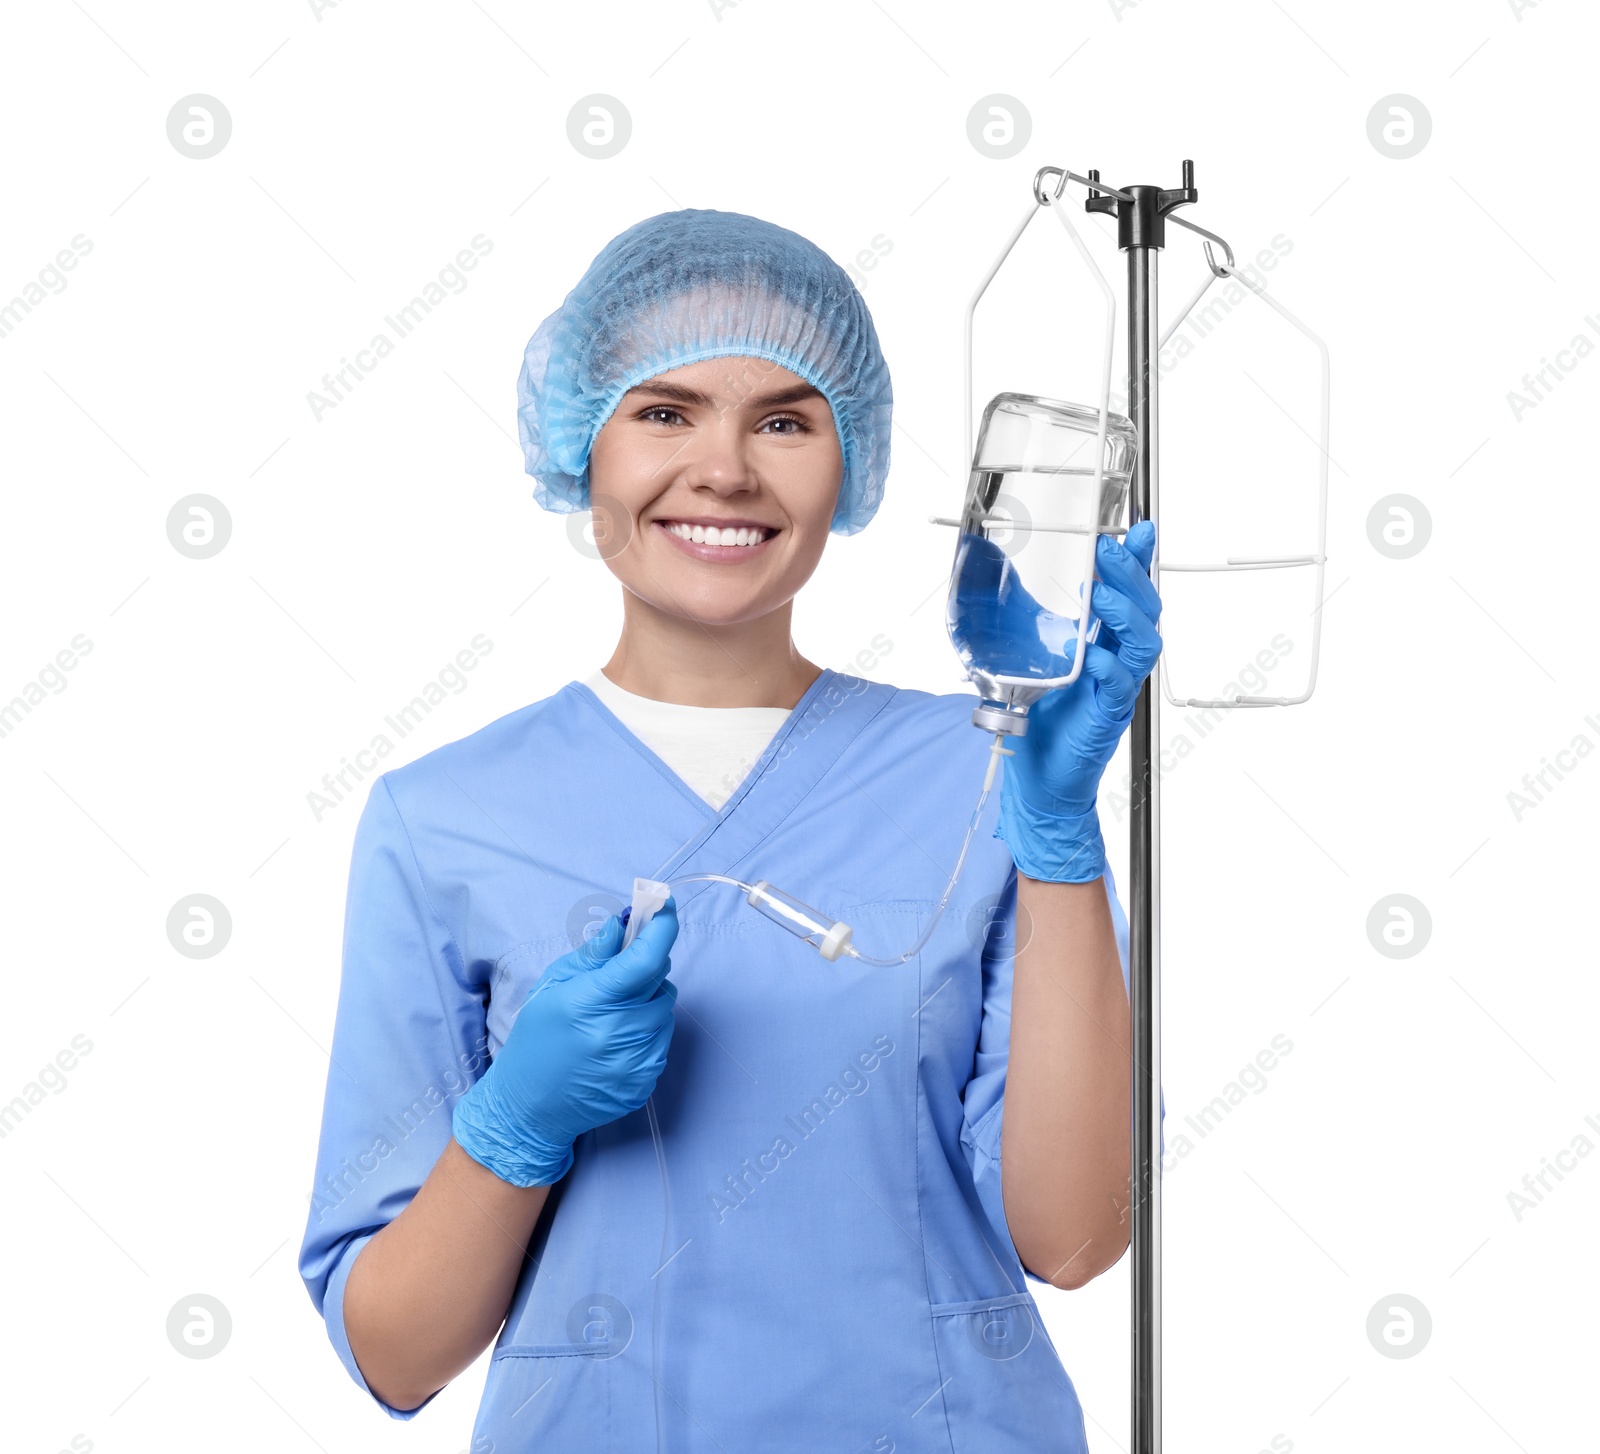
point(991, 716)
point(830, 938)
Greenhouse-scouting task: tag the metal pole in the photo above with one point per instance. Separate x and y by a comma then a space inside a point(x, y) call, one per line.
point(1141, 232)
point(1144, 894)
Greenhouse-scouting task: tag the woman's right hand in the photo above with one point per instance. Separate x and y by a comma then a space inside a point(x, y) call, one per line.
point(587, 1047)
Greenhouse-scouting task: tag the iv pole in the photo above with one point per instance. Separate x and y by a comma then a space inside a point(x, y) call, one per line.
point(1141, 213)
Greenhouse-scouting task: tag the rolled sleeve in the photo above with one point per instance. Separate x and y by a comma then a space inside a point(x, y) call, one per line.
point(983, 1103)
point(409, 1040)
point(333, 1316)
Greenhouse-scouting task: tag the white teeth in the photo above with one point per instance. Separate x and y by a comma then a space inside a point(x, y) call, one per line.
point(712, 535)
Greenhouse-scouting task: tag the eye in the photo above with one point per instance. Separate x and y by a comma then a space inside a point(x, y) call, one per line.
point(800, 425)
point(660, 409)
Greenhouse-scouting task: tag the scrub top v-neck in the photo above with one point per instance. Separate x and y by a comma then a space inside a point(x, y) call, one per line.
point(711, 748)
point(830, 1265)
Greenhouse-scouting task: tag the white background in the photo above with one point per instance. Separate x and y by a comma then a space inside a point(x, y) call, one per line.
point(369, 145)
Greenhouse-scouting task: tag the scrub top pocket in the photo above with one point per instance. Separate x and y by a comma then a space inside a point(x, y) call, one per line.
point(1005, 1390)
point(536, 1396)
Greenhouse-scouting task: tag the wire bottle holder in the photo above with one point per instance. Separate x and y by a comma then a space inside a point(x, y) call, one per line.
point(1226, 270)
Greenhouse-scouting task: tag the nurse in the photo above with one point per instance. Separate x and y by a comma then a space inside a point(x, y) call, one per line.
point(859, 1169)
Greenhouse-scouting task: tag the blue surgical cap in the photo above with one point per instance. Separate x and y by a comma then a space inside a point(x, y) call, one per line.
point(691, 285)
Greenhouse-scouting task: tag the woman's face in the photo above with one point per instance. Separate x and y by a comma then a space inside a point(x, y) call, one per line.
point(736, 445)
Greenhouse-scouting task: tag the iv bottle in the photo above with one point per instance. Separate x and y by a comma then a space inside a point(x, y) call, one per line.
point(1025, 551)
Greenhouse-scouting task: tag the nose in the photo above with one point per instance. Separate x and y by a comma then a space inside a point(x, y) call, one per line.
point(715, 458)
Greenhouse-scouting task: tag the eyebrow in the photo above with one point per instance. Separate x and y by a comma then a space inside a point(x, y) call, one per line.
point(792, 395)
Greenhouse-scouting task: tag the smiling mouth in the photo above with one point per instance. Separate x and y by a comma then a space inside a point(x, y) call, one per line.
point(729, 535)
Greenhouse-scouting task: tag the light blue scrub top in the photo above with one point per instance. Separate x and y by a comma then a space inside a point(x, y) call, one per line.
point(839, 1274)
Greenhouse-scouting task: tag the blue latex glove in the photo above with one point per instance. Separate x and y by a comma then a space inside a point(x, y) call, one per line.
point(587, 1047)
point(1047, 797)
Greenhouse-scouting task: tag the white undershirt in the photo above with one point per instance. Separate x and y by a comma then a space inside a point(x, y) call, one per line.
point(710, 748)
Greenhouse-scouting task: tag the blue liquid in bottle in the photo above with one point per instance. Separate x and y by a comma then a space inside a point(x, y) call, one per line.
point(997, 626)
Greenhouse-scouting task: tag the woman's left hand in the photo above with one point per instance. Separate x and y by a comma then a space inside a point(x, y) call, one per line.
point(1047, 805)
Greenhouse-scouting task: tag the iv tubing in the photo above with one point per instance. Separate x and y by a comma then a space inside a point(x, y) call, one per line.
point(997, 749)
